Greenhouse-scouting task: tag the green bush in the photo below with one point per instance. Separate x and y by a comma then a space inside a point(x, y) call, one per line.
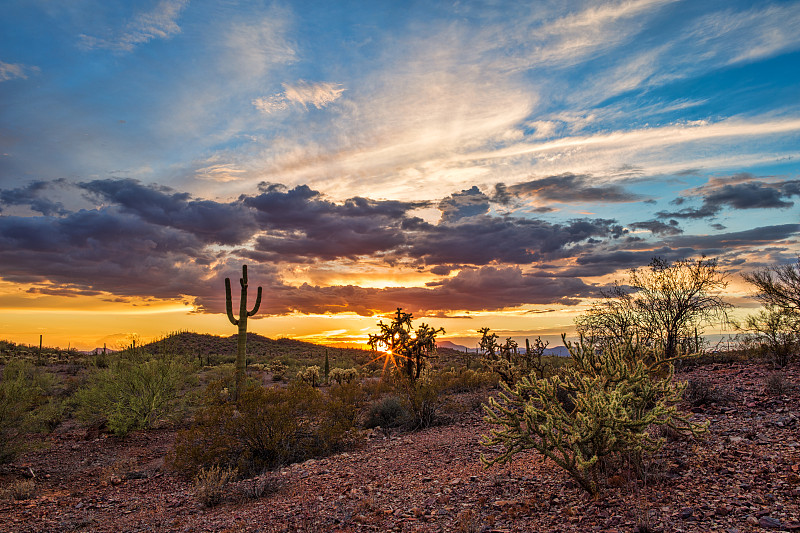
point(594, 413)
point(25, 405)
point(388, 412)
point(268, 427)
point(130, 395)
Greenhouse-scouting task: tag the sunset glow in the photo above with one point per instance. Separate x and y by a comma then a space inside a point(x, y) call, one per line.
point(478, 165)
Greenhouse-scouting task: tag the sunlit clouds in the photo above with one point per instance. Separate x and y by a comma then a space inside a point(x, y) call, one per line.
point(475, 164)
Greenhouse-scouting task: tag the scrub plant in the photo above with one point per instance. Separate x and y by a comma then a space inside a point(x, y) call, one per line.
point(613, 397)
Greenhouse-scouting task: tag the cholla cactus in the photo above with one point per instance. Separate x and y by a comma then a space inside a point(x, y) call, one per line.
point(278, 369)
point(508, 361)
point(344, 375)
point(612, 398)
point(310, 375)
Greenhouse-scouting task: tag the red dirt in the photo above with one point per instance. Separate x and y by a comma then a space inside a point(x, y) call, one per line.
point(744, 475)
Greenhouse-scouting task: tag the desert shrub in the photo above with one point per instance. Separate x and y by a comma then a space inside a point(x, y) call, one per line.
point(209, 484)
point(614, 400)
point(259, 487)
point(388, 412)
point(343, 375)
point(266, 428)
point(278, 369)
point(464, 380)
point(776, 384)
point(26, 404)
point(23, 489)
point(309, 375)
point(343, 405)
point(130, 394)
point(703, 392)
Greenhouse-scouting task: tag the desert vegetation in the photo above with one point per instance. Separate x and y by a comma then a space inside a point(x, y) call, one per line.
point(237, 410)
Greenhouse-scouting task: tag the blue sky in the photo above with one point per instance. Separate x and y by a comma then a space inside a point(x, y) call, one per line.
point(478, 163)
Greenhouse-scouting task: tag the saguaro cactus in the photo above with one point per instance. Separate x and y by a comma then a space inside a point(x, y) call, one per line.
point(242, 323)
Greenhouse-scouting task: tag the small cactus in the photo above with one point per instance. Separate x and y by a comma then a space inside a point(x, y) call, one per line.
point(242, 323)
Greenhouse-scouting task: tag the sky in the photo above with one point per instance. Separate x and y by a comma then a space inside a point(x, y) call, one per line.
point(479, 164)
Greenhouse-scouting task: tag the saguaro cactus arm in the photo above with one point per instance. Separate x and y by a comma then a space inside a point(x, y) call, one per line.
point(257, 304)
point(229, 302)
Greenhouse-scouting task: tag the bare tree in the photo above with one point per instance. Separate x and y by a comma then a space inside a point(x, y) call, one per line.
point(778, 286)
point(775, 328)
point(664, 305)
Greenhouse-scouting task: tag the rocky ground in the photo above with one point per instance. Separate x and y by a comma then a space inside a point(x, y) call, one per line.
point(744, 475)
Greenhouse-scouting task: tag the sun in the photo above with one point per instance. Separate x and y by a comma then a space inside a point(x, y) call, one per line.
point(390, 359)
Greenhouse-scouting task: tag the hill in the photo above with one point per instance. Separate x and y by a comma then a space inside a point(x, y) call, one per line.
point(259, 348)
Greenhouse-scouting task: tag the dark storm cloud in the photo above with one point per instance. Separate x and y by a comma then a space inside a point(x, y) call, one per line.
point(744, 191)
point(209, 221)
point(154, 242)
point(657, 227)
point(102, 250)
point(483, 240)
point(599, 261)
point(30, 196)
point(468, 203)
point(725, 242)
point(566, 188)
point(301, 226)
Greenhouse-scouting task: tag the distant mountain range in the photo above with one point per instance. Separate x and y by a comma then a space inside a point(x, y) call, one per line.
point(560, 351)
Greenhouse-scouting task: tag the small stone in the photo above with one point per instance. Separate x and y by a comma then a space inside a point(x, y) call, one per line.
point(723, 510)
point(767, 522)
point(685, 513)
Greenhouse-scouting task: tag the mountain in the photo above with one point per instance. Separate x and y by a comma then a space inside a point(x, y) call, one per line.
point(452, 346)
point(558, 351)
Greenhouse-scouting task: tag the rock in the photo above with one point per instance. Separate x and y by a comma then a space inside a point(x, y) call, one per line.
point(503, 503)
point(685, 513)
point(723, 510)
point(767, 522)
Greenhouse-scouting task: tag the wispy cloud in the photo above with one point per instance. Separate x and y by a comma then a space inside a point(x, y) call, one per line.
point(159, 23)
point(255, 47)
point(738, 36)
point(12, 71)
point(301, 94)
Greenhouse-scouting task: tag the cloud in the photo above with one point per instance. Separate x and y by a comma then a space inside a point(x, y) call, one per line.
point(159, 23)
point(211, 222)
point(485, 289)
point(573, 38)
point(255, 47)
point(482, 240)
point(102, 250)
point(12, 71)
point(568, 188)
point(467, 203)
point(740, 191)
point(302, 94)
point(30, 195)
point(657, 227)
point(747, 35)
